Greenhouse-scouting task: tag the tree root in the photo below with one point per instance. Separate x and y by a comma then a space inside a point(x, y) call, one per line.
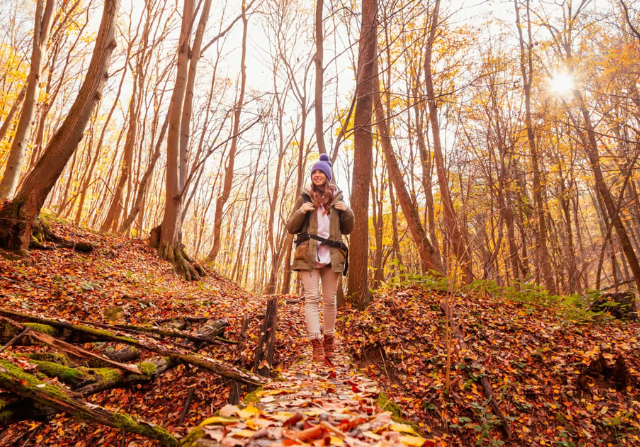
point(42, 233)
point(177, 256)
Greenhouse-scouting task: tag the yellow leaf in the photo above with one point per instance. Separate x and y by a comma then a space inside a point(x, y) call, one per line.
point(281, 416)
point(313, 412)
point(244, 433)
point(604, 410)
point(336, 441)
point(402, 428)
point(261, 393)
point(219, 420)
point(249, 412)
point(412, 440)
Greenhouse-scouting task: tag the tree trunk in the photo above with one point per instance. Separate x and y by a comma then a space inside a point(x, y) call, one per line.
point(319, 78)
point(398, 264)
point(115, 208)
point(20, 140)
point(228, 176)
point(14, 108)
point(358, 285)
point(19, 216)
point(428, 256)
point(185, 124)
point(602, 189)
point(142, 189)
point(526, 67)
point(457, 239)
point(170, 244)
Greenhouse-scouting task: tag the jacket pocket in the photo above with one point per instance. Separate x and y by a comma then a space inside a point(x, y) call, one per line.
point(301, 252)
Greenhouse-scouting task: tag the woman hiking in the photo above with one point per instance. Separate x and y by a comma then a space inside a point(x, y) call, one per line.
point(320, 218)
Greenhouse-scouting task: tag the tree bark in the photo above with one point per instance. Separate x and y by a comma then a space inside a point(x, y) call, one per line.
point(609, 202)
point(19, 216)
point(20, 140)
point(526, 67)
point(229, 171)
point(358, 285)
point(142, 189)
point(185, 133)
point(170, 246)
point(428, 255)
point(456, 236)
point(319, 85)
point(12, 112)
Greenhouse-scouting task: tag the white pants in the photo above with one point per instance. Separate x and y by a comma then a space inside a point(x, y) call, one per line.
point(311, 281)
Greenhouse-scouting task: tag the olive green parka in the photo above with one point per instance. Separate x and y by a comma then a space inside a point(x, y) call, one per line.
point(341, 222)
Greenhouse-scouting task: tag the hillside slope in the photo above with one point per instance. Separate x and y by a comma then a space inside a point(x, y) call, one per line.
point(125, 278)
point(560, 376)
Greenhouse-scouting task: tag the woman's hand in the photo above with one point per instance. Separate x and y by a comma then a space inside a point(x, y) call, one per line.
point(308, 206)
point(340, 206)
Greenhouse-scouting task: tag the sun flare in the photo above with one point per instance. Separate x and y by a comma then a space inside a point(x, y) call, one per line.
point(562, 83)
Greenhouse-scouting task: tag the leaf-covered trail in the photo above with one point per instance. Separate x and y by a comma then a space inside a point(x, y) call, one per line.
point(310, 404)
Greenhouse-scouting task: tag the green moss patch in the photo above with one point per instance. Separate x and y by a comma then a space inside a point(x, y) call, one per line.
point(31, 386)
point(103, 333)
point(54, 357)
point(108, 375)
point(396, 412)
point(192, 437)
point(147, 368)
point(252, 397)
point(65, 374)
point(128, 423)
point(42, 328)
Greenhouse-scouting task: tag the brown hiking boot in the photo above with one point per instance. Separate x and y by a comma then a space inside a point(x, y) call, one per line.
point(329, 346)
point(318, 350)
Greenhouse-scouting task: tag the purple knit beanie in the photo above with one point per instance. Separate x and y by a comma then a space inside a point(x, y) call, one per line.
point(324, 165)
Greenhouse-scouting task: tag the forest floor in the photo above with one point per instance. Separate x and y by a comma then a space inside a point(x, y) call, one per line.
point(551, 366)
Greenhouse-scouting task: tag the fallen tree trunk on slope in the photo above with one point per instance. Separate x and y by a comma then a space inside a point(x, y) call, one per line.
point(156, 331)
point(87, 373)
point(211, 365)
point(17, 382)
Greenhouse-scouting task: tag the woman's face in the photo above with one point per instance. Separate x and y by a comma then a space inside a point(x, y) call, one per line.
point(318, 177)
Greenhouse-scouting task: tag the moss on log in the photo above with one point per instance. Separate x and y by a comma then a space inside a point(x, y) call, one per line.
point(17, 381)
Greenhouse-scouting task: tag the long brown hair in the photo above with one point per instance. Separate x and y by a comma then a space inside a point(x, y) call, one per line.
point(322, 197)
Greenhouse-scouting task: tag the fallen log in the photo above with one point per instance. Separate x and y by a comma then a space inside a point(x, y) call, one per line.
point(17, 381)
point(71, 349)
point(214, 366)
point(220, 368)
point(87, 381)
point(212, 328)
point(95, 334)
point(163, 332)
point(16, 338)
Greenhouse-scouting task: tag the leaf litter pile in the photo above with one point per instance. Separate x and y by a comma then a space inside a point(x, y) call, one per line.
point(554, 381)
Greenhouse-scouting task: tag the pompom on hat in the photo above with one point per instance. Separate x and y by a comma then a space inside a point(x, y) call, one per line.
point(324, 165)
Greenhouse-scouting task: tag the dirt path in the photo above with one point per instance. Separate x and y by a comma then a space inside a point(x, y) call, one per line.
point(310, 404)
